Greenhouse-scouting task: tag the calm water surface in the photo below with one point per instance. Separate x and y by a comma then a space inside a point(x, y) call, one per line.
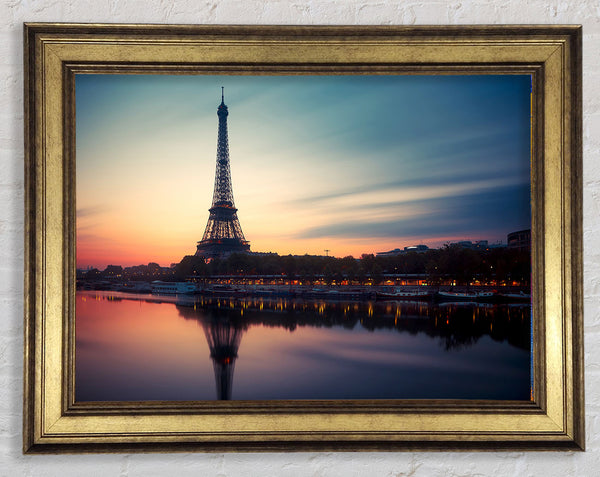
point(141, 347)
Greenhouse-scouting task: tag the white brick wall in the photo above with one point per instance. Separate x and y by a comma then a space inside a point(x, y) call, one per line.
point(14, 12)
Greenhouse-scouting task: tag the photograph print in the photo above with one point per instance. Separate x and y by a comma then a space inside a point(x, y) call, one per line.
point(310, 237)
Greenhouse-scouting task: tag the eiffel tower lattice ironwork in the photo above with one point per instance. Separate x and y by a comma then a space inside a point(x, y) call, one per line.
point(223, 234)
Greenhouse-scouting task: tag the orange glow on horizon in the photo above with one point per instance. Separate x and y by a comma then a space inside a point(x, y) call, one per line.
point(94, 254)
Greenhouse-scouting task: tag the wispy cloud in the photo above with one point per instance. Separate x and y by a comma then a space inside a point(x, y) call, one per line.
point(417, 188)
point(480, 213)
point(92, 211)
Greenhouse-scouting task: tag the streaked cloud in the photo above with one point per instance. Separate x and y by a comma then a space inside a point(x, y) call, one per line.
point(91, 211)
point(441, 216)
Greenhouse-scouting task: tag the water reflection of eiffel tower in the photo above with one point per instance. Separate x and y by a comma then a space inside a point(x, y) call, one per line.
point(224, 341)
point(223, 329)
point(225, 321)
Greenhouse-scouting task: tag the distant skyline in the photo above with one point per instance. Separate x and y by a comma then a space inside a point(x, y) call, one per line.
point(349, 164)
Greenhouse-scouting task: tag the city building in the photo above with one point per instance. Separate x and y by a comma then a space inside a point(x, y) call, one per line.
point(416, 248)
point(520, 240)
point(477, 245)
point(411, 248)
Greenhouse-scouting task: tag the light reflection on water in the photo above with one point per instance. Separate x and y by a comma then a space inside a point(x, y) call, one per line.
point(141, 347)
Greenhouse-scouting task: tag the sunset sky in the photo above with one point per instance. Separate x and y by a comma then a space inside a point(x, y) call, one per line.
point(352, 164)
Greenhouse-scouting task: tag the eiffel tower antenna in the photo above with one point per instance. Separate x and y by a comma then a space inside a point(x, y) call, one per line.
point(223, 234)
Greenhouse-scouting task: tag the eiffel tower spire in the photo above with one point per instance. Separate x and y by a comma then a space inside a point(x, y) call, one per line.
point(223, 234)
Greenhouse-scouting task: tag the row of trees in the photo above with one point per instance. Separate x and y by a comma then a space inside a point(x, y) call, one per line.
point(451, 262)
point(152, 271)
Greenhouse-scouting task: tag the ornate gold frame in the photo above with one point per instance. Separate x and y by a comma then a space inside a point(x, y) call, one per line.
point(53, 422)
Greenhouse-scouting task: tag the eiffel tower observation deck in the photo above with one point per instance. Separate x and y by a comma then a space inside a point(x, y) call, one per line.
point(223, 234)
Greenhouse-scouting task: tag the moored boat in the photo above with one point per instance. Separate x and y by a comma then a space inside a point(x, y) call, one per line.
point(172, 288)
point(466, 296)
point(520, 297)
point(400, 294)
point(225, 291)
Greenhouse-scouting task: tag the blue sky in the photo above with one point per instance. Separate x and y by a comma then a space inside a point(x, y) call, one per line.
point(352, 164)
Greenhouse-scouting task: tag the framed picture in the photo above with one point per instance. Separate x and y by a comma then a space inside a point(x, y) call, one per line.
point(384, 255)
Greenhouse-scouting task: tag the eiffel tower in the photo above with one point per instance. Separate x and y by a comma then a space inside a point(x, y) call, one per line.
point(223, 234)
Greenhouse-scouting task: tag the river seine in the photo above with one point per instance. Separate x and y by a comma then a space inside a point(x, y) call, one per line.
point(145, 347)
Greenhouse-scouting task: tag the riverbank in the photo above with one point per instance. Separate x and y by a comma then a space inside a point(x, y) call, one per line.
point(331, 292)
